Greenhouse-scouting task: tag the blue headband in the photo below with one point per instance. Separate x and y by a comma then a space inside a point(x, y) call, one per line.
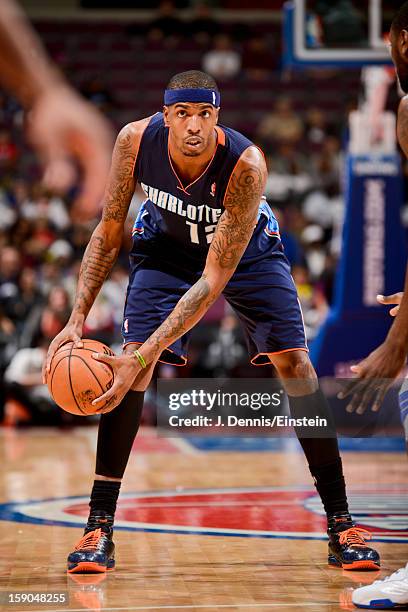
point(209, 96)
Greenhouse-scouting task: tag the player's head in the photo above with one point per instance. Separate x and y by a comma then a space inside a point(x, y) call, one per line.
point(399, 45)
point(191, 105)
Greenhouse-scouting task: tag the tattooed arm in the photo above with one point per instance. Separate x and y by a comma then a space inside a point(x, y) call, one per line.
point(232, 235)
point(104, 245)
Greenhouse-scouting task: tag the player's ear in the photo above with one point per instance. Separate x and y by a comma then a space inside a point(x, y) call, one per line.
point(217, 112)
point(166, 115)
point(403, 43)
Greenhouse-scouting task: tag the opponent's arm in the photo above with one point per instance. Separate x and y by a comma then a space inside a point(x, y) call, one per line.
point(62, 126)
point(232, 235)
point(398, 334)
point(24, 66)
point(104, 245)
point(376, 372)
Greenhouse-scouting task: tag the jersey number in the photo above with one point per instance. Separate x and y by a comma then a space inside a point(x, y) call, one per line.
point(209, 230)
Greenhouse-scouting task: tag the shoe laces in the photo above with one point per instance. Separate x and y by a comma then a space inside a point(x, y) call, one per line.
point(355, 536)
point(90, 540)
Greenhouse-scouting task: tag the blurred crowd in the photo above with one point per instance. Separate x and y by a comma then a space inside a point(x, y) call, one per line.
point(41, 244)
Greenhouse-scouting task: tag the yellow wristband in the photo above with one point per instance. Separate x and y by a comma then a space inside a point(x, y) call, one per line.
point(140, 358)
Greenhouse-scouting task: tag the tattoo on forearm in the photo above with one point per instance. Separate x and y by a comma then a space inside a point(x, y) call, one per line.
point(236, 224)
point(102, 251)
point(96, 264)
point(121, 183)
point(191, 305)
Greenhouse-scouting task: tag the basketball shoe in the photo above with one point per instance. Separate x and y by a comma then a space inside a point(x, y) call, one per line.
point(347, 545)
point(95, 551)
point(391, 593)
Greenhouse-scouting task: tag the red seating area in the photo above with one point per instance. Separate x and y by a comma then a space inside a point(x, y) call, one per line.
point(135, 71)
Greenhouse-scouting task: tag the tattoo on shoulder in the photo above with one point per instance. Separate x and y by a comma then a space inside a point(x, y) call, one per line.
point(237, 222)
point(121, 183)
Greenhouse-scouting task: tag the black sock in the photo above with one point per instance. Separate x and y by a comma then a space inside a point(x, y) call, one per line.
point(322, 454)
point(104, 497)
point(116, 434)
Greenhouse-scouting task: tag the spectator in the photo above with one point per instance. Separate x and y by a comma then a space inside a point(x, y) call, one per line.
point(28, 299)
point(257, 60)
point(290, 174)
point(10, 266)
point(316, 128)
point(99, 94)
point(166, 25)
point(51, 208)
point(8, 151)
point(227, 351)
point(99, 324)
point(312, 300)
point(223, 62)
point(55, 314)
point(23, 378)
point(203, 27)
point(282, 125)
point(8, 214)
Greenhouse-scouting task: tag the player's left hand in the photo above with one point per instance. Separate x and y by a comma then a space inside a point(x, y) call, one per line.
point(125, 369)
point(375, 374)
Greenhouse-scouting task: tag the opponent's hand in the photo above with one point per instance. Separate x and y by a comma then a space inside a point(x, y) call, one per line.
point(391, 299)
point(125, 369)
point(72, 332)
point(375, 374)
point(68, 132)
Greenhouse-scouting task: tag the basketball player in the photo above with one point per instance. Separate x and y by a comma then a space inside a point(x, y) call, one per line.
point(376, 373)
point(203, 230)
point(63, 127)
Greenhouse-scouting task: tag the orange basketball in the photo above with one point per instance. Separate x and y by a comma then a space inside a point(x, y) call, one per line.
point(76, 378)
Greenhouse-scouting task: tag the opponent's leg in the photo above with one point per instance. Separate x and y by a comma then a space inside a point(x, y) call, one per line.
point(347, 547)
point(392, 591)
point(95, 552)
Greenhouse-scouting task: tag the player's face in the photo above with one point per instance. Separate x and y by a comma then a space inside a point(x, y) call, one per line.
point(399, 53)
point(191, 126)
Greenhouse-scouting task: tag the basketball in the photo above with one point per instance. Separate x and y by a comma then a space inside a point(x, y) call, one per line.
point(76, 378)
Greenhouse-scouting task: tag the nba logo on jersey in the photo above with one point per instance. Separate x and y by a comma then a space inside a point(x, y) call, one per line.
point(126, 326)
point(213, 188)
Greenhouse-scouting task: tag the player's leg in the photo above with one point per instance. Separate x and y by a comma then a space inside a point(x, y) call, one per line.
point(152, 295)
point(392, 591)
point(347, 547)
point(95, 551)
point(264, 297)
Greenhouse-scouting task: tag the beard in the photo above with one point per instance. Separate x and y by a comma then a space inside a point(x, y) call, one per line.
point(402, 73)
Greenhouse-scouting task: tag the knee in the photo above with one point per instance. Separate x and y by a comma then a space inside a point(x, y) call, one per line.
point(297, 373)
point(295, 364)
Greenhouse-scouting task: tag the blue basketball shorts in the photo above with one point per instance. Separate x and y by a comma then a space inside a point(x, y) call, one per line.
point(262, 294)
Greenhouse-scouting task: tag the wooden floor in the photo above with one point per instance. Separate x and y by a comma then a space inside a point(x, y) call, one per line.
point(200, 510)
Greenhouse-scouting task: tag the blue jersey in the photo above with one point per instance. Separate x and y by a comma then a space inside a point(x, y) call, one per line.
point(176, 221)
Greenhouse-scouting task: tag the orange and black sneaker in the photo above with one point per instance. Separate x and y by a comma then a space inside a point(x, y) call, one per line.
point(94, 553)
point(347, 545)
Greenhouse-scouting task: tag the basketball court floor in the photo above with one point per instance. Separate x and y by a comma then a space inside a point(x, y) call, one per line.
point(202, 525)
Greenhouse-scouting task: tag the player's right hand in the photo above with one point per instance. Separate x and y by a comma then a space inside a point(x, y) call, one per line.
point(72, 332)
point(395, 298)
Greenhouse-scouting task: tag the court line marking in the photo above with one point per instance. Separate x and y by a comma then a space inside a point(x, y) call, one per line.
point(191, 607)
